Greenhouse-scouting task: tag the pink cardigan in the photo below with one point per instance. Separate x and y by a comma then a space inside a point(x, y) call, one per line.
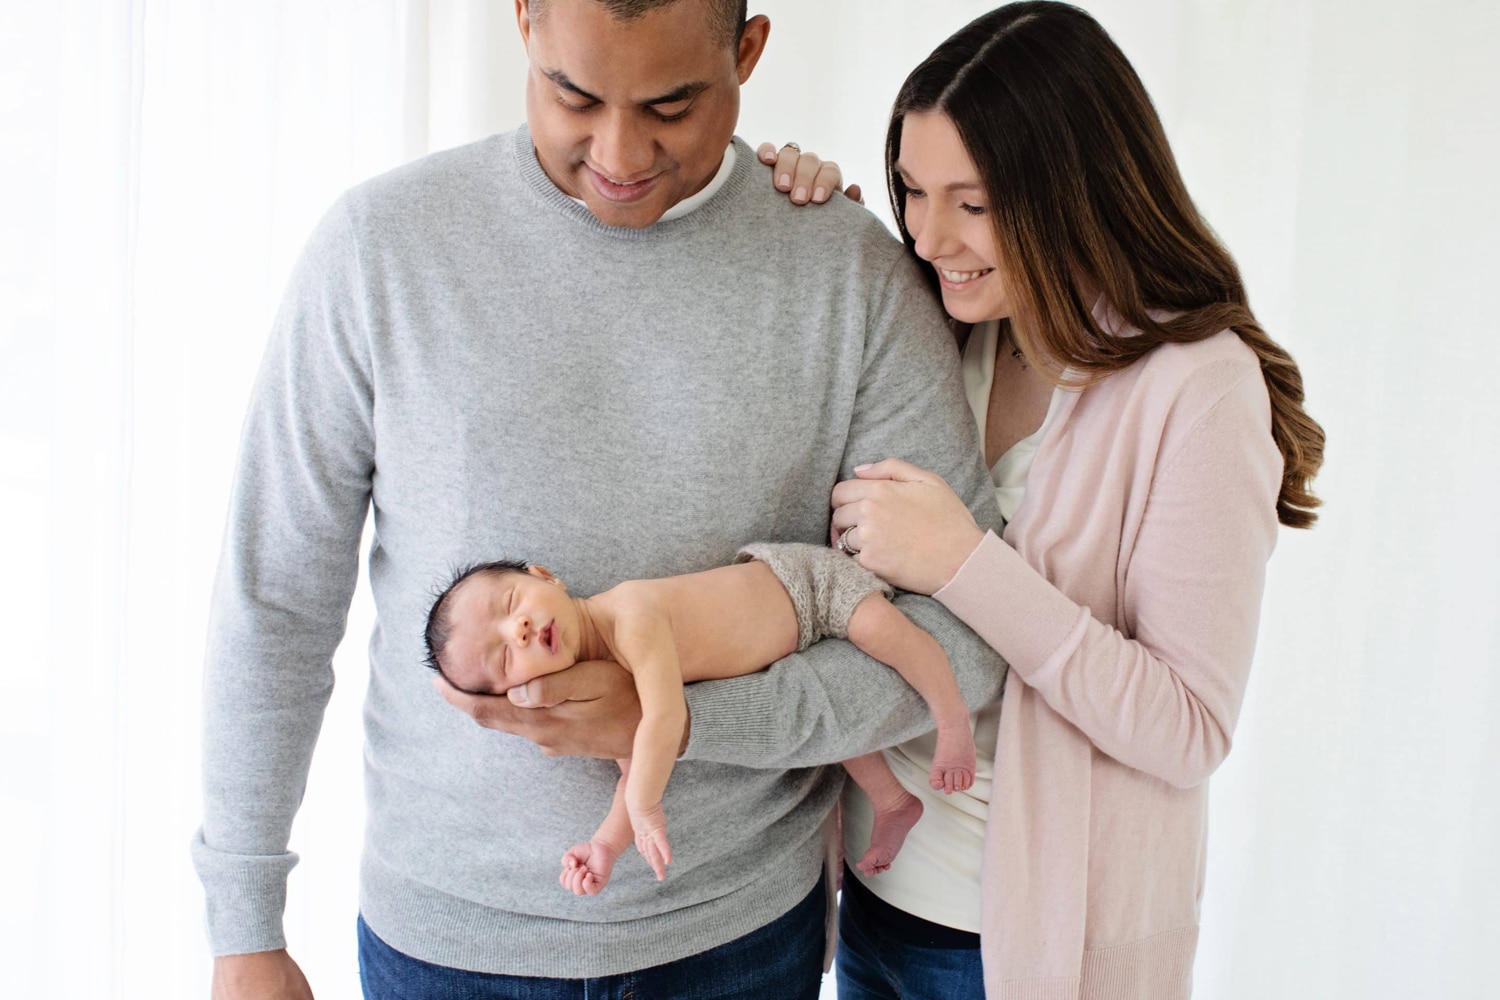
point(1125, 596)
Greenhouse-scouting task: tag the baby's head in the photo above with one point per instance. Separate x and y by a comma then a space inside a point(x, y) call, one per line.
point(500, 624)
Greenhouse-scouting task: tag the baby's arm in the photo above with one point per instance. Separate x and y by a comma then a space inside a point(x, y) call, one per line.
point(879, 629)
point(587, 866)
point(647, 644)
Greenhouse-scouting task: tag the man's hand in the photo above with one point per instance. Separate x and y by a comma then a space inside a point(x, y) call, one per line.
point(261, 975)
point(588, 710)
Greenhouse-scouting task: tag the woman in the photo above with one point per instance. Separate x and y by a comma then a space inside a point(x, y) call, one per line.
point(1145, 436)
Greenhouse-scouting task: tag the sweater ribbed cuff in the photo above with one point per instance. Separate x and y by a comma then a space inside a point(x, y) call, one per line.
point(1012, 607)
point(730, 728)
point(1034, 989)
point(246, 895)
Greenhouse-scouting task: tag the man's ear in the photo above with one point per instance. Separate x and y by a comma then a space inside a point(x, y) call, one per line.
point(523, 21)
point(752, 46)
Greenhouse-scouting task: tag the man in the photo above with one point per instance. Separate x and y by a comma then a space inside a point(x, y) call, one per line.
point(601, 340)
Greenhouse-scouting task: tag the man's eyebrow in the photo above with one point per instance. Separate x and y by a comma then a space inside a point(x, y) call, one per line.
point(682, 93)
point(560, 78)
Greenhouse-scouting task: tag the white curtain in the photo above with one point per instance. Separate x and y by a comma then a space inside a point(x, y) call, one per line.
point(161, 162)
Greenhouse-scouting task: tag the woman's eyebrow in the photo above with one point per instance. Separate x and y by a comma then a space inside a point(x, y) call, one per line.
point(955, 186)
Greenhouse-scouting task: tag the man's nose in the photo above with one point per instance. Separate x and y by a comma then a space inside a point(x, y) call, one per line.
point(624, 147)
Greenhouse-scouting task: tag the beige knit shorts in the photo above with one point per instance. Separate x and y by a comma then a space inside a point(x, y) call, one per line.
point(825, 585)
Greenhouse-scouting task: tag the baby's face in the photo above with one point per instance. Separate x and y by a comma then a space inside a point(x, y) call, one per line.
point(507, 628)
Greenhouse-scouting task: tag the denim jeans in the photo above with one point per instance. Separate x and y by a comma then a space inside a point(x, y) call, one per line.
point(874, 964)
point(781, 961)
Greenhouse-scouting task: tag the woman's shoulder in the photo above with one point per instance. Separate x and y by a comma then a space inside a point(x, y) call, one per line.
point(1204, 369)
point(1173, 387)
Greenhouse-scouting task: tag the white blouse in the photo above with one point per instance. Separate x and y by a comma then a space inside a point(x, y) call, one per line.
point(936, 875)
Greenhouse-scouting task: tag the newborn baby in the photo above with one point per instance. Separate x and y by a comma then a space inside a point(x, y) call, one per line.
point(498, 625)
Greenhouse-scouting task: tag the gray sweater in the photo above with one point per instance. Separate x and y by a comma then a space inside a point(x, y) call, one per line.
point(476, 358)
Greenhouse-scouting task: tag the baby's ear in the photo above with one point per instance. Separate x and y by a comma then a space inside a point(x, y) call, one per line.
point(543, 573)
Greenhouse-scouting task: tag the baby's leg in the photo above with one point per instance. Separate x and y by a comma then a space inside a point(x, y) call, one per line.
point(880, 629)
point(896, 811)
point(587, 866)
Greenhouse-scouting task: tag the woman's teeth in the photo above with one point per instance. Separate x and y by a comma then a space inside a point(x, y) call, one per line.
point(959, 277)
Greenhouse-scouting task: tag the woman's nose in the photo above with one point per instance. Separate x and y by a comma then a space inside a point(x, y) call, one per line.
point(934, 239)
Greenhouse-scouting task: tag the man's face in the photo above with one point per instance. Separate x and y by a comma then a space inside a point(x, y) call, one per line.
point(633, 116)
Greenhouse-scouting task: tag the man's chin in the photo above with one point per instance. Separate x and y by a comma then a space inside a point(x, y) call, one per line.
point(635, 215)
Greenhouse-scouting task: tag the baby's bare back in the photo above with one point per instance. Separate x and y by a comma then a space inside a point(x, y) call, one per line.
point(727, 622)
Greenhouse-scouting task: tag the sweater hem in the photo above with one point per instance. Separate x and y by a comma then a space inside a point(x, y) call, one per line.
point(431, 925)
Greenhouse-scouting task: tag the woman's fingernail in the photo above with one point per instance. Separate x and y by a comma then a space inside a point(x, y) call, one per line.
point(784, 181)
point(800, 194)
point(862, 468)
point(819, 194)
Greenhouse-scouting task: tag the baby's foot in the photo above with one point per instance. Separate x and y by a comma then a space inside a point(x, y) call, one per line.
point(587, 867)
point(650, 825)
point(889, 833)
point(955, 759)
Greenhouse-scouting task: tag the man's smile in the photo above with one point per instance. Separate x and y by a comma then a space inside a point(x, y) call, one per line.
point(620, 193)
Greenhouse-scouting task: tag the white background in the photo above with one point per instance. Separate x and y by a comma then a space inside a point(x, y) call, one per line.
point(161, 163)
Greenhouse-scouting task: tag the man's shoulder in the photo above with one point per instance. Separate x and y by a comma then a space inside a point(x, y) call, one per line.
point(443, 182)
point(841, 225)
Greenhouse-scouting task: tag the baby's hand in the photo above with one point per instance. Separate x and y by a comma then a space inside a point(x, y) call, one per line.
point(650, 825)
point(587, 867)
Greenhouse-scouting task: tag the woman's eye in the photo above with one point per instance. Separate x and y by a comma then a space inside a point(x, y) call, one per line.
point(912, 192)
point(972, 209)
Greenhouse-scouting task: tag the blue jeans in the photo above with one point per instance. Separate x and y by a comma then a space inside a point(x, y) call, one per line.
point(781, 961)
point(876, 964)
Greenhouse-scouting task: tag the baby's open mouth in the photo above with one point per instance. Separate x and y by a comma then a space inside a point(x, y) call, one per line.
point(548, 635)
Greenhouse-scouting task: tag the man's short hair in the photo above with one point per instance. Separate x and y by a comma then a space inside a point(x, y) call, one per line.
point(727, 16)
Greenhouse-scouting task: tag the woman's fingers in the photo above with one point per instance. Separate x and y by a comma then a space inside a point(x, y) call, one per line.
point(783, 161)
point(826, 180)
point(847, 515)
point(894, 468)
point(805, 176)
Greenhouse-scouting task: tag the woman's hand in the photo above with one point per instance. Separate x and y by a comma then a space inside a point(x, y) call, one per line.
point(904, 524)
point(588, 710)
point(804, 175)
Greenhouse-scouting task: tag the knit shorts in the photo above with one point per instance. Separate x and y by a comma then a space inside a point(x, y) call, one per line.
point(825, 585)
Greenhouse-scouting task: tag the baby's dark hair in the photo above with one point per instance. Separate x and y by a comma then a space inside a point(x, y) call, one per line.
point(439, 626)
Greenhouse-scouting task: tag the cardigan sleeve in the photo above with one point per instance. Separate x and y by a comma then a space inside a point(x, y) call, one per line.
point(1161, 692)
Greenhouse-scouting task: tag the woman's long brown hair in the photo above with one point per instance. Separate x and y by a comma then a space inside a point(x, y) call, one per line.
point(1085, 193)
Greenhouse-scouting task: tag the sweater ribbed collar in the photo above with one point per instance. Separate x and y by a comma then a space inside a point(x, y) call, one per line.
point(531, 172)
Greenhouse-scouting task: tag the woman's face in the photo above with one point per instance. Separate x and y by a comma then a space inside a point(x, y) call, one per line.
point(948, 215)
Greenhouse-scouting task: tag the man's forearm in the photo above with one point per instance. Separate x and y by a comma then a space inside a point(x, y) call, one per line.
point(832, 702)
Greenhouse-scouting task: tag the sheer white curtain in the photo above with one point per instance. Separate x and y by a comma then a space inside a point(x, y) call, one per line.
point(161, 162)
